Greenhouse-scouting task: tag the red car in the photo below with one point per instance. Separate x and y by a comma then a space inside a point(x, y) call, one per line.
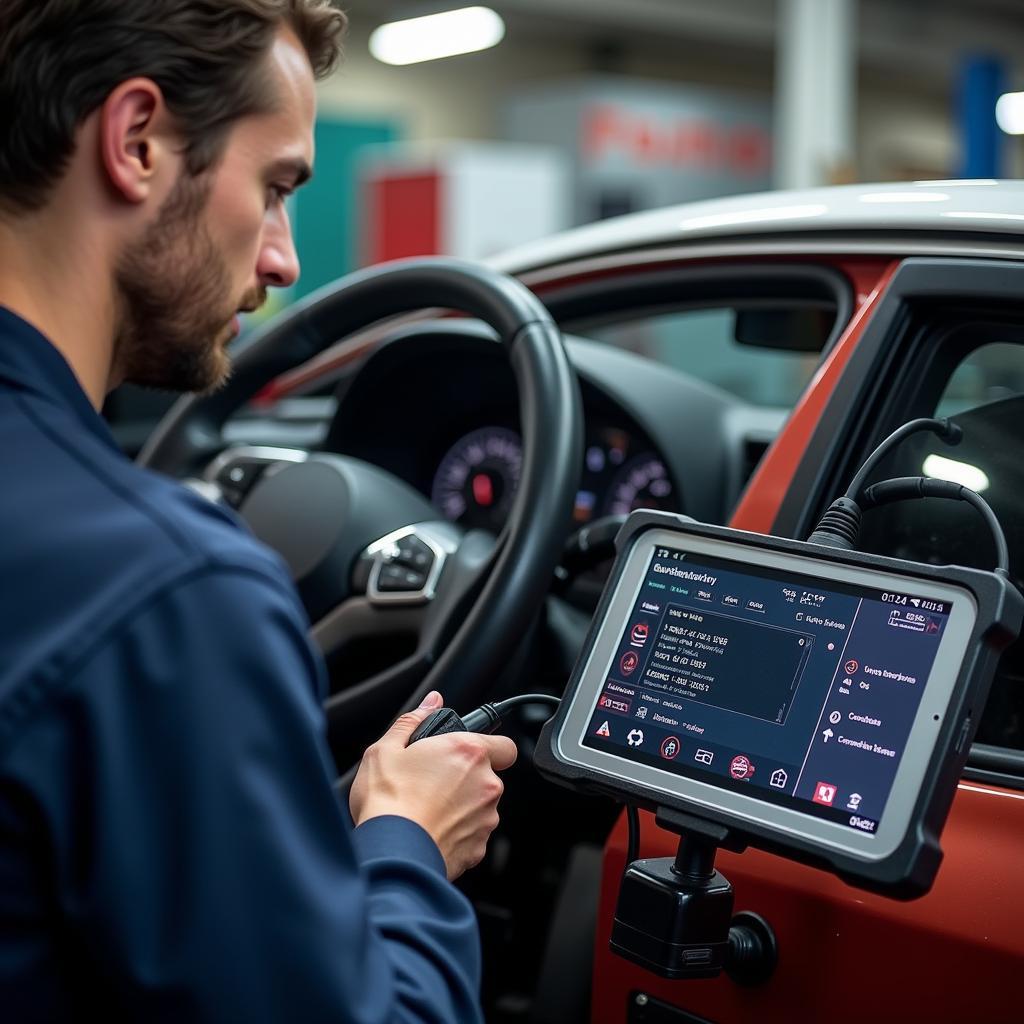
point(736, 360)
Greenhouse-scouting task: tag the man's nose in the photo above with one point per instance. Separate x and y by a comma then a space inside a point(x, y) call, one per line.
point(278, 263)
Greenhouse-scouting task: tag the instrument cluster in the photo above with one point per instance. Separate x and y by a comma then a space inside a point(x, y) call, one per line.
point(476, 480)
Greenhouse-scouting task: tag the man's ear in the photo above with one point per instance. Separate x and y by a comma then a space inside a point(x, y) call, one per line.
point(133, 137)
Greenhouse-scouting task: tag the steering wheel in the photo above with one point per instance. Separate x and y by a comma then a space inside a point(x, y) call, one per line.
point(370, 555)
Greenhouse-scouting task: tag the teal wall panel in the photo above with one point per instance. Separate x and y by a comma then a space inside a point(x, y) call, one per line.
point(326, 209)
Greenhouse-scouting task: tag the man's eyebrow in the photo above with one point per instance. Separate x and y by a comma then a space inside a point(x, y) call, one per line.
point(298, 168)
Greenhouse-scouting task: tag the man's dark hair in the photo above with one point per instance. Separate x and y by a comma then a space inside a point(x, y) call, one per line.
point(60, 59)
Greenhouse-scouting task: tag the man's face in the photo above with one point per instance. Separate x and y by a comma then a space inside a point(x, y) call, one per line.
point(218, 242)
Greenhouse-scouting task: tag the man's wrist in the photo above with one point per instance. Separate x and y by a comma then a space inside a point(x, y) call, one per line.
point(395, 836)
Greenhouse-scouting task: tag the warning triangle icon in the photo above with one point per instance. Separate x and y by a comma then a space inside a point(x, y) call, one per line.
point(603, 730)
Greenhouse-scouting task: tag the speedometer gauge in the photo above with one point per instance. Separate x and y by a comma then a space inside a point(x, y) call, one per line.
point(477, 479)
point(641, 483)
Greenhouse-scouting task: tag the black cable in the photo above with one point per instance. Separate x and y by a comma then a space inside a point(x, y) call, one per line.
point(949, 431)
point(487, 717)
point(839, 527)
point(908, 487)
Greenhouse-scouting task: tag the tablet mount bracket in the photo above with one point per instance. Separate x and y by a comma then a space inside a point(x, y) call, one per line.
point(675, 915)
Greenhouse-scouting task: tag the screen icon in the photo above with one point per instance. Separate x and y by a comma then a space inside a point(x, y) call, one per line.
point(779, 778)
point(741, 767)
point(603, 730)
point(824, 793)
point(628, 662)
point(704, 756)
point(635, 737)
point(669, 747)
point(638, 635)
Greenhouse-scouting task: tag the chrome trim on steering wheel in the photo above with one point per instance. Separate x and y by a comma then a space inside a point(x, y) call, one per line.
point(252, 453)
point(209, 485)
point(440, 538)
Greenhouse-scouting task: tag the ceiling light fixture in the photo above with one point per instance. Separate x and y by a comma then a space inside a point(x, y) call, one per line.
point(434, 36)
point(1010, 113)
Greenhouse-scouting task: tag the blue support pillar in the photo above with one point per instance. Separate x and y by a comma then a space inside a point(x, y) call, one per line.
point(981, 84)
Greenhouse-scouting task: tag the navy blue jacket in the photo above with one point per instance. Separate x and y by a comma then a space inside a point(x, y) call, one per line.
point(171, 848)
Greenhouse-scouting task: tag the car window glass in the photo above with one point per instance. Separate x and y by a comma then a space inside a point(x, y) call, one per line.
point(989, 373)
point(702, 343)
point(985, 396)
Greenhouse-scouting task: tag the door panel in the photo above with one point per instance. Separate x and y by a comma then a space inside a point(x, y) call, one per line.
point(847, 955)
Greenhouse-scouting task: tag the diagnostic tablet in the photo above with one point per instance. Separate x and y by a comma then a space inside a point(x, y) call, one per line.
point(816, 702)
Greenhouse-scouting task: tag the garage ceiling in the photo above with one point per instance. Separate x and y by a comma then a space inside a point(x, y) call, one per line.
point(921, 38)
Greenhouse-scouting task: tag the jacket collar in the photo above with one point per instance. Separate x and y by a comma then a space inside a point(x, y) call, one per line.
point(29, 361)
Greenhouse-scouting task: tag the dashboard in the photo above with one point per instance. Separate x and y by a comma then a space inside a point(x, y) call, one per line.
point(436, 404)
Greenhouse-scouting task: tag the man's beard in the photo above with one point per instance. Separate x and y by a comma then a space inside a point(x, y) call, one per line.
point(175, 303)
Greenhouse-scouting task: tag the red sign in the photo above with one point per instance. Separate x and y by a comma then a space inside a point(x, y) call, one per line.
point(744, 149)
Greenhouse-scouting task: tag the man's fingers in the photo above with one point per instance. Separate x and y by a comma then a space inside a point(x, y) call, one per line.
point(501, 751)
point(405, 725)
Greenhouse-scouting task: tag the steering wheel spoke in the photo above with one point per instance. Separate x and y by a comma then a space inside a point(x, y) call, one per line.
point(232, 474)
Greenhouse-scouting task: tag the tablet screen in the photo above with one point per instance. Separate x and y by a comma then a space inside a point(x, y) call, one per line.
point(769, 683)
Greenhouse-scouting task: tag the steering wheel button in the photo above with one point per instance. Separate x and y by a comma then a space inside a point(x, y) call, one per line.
point(399, 578)
point(414, 553)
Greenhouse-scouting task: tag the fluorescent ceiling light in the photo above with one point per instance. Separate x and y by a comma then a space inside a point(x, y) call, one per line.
point(1010, 113)
point(941, 468)
point(437, 35)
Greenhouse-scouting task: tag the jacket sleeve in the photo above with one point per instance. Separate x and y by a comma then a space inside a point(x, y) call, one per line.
point(203, 867)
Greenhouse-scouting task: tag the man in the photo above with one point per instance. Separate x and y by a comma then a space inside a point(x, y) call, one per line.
point(170, 844)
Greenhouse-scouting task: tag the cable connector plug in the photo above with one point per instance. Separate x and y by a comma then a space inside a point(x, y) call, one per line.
point(484, 719)
point(839, 527)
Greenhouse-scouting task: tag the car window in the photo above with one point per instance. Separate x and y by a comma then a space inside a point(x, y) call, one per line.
point(984, 393)
point(989, 373)
point(702, 343)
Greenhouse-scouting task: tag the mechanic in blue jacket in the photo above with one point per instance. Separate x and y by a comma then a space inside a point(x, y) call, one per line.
point(171, 847)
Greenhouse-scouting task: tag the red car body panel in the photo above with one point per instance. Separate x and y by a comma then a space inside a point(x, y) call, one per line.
point(846, 955)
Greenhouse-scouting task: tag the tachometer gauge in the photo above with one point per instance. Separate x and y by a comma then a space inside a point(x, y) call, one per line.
point(477, 479)
point(641, 483)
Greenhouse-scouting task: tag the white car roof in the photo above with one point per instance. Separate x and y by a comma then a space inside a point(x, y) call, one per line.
point(949, 208)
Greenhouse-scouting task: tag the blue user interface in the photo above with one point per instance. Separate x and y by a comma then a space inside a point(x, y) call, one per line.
point(749, 677)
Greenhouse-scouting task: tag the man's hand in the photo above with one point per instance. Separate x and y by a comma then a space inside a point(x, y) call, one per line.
point(445, 783)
